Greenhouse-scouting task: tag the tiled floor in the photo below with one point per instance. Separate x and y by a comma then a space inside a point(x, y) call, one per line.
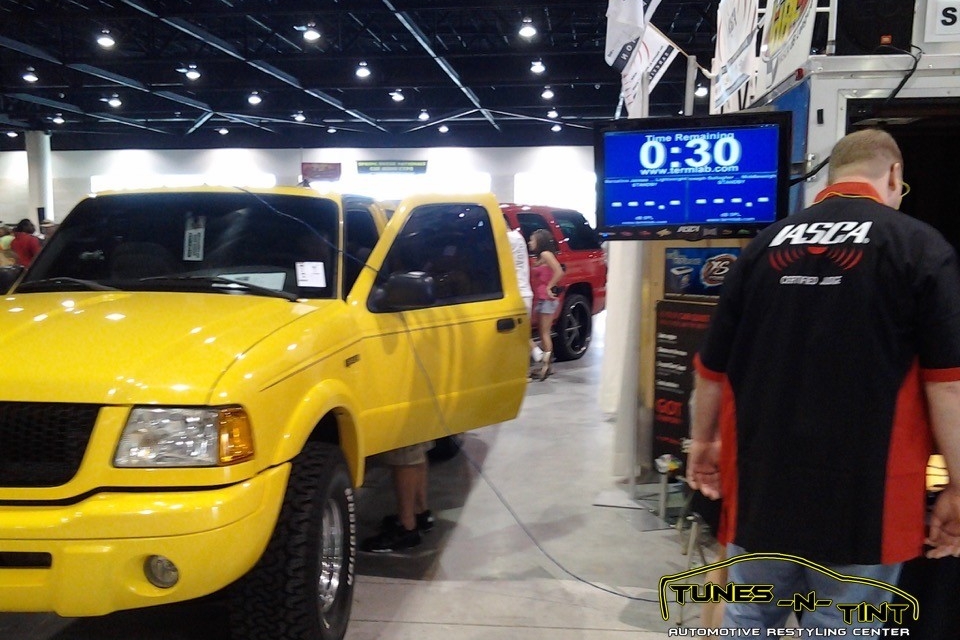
point(522, 549)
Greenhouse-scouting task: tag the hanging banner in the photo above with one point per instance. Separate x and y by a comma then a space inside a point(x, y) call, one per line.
point(626, 21)
point(735, 60)
point(787, 38)
point(653, 56)
point(625, 24)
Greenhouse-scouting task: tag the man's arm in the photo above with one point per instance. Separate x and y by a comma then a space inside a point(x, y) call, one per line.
point(943, 399)
point(703, 460)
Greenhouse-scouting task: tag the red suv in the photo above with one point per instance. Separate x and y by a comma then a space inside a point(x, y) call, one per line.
point(585, 267)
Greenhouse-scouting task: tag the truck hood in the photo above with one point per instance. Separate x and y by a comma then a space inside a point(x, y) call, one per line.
point(130, 347)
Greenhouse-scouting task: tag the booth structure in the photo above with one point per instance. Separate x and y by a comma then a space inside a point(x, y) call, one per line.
point(899, 71)
point(888, 65)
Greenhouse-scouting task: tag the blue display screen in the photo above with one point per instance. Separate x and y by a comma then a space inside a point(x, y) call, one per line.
point(668, 180)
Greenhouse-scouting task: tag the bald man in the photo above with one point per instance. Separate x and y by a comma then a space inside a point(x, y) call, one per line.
point(830, 371)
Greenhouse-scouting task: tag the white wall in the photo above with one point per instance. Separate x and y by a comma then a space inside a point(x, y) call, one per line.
point(560, 176)
point(14, 188)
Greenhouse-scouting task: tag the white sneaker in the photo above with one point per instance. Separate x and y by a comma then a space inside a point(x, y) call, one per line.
point(537, 354)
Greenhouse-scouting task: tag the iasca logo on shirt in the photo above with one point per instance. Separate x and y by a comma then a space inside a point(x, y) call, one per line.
point(837, 241)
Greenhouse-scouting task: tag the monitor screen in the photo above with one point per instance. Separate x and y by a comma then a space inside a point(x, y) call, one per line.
point(692, 177)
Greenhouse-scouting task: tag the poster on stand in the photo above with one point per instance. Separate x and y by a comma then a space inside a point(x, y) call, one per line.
point(697, 272)
point(681, 327)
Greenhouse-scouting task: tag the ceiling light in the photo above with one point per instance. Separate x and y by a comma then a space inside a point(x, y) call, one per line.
point(223, 131)
point(310, 33)
point(254, 98)
point(397, 95)
point(363, 71)
point(106, 40)
point(556, 128)
point(443, 128)
point(423, 115)
point(537, 66)
point(331, 129)
point(527, 30)
point(701, 91)
point(57, 119)
point(190, 71)
point(114, 101)
point(30, 75)
point(547, 93)
point(552, 113)
point(299, 117)
point(12, 134)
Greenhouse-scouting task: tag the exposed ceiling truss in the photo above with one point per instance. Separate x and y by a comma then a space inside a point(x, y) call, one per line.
point(460, 60)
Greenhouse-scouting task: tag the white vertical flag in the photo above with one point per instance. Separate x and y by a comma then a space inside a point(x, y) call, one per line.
point(625, 24)
point(654, 54)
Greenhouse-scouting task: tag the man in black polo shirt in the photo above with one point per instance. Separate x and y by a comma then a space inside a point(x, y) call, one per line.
point(831, 366)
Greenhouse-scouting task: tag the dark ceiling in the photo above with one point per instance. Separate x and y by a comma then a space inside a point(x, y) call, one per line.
point(462, 60)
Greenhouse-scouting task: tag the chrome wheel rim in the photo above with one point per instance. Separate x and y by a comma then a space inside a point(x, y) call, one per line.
point(577, 328)
point(331, 556)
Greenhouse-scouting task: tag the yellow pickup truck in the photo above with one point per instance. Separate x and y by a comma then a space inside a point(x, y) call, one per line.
point(194, 379)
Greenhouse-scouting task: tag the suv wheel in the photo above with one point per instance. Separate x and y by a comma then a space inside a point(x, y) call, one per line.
point(573, 328)
point(302, 587)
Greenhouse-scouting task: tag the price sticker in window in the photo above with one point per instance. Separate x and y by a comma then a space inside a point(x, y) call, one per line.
point(193, 238)
point(311, 274)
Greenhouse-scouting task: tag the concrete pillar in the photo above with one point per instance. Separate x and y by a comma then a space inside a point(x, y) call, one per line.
point(39, 177)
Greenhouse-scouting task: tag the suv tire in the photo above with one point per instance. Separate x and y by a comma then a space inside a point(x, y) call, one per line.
point(302, 587)
point(574, 328)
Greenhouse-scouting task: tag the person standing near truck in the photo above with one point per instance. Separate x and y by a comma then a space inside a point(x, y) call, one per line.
point(545, 275)
point(831, 366)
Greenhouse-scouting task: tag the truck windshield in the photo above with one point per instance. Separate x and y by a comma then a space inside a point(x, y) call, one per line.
point(179, 241)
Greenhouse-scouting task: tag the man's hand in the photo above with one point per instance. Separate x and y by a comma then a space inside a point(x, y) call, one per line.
point(944, 535)
point(703, 467)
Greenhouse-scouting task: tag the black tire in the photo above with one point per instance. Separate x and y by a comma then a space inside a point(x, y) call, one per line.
point(302, 587)
point(574, 328)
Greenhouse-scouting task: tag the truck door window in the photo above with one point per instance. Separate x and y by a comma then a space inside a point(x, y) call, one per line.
point(530, 222)
point(578, 232)
point(454, 244)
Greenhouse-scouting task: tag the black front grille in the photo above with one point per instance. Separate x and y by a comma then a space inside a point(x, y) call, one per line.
point(42, 444)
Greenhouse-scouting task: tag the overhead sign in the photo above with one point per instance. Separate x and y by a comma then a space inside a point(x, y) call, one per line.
point(786, 42)
point(320, 171)
point(392, 166)
point(943, 21)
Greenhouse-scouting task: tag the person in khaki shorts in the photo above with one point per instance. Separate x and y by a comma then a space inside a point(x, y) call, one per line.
point(408, 469)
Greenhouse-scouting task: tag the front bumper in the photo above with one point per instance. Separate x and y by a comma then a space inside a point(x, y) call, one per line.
point(98, 546)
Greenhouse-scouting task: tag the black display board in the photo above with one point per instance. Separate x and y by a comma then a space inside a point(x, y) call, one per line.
point(681, 328)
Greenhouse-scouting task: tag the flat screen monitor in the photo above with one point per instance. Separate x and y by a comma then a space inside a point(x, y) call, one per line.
point(692, 177)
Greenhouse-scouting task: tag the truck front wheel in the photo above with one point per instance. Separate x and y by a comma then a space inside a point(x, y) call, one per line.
point(302, 587)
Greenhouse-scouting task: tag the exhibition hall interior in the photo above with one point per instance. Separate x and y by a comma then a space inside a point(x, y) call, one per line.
point(268, 250)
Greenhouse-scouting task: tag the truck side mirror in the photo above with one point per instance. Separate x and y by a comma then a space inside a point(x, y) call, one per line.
point(404, 291)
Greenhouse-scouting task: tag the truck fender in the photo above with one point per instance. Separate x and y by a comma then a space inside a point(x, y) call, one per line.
point(328, 398)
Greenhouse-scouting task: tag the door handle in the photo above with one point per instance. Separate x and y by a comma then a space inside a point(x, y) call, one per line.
point(505, 325)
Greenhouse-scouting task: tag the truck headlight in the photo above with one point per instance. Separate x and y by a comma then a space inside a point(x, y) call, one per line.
point(184, 437)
